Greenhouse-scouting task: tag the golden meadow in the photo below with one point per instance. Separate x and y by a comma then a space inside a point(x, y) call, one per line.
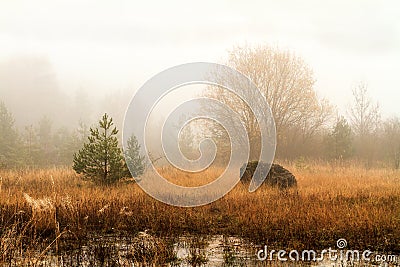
point(47, 206)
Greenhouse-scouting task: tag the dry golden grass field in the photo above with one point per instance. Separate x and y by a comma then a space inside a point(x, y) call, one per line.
point(48, 206)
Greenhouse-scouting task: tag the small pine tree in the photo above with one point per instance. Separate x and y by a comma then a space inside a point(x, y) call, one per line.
point(134, 160)
point(100, 160)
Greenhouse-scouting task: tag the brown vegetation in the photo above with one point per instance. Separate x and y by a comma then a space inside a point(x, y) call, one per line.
point(52, 205)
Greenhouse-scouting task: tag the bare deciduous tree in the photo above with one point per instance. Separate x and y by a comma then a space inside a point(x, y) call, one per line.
point(287, 83)
point(365, 120)
point(364, 114)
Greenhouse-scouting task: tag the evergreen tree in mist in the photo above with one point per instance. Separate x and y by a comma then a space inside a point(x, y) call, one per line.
point(134, 160)
point(100, 160)
point(47, 153)
point(8, 139)
point(31, 149)
point(391, 141)
point(339, 143)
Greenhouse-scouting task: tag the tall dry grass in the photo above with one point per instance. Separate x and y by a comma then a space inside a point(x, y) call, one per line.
point(330, 202)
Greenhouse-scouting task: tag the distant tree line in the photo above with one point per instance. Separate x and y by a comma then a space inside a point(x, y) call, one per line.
point(37, 145)
point(307, 126)
point(42, 146)
point(93, 152)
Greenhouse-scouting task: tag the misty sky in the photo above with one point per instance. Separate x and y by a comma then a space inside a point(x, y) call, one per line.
point(106, 46)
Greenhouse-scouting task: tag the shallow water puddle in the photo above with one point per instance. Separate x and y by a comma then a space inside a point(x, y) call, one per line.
point(147, 250)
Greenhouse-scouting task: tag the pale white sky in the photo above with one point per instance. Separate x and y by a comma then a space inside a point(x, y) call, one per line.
point(112, 45)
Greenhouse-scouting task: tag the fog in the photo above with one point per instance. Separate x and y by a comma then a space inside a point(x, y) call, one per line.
point(53, 53)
